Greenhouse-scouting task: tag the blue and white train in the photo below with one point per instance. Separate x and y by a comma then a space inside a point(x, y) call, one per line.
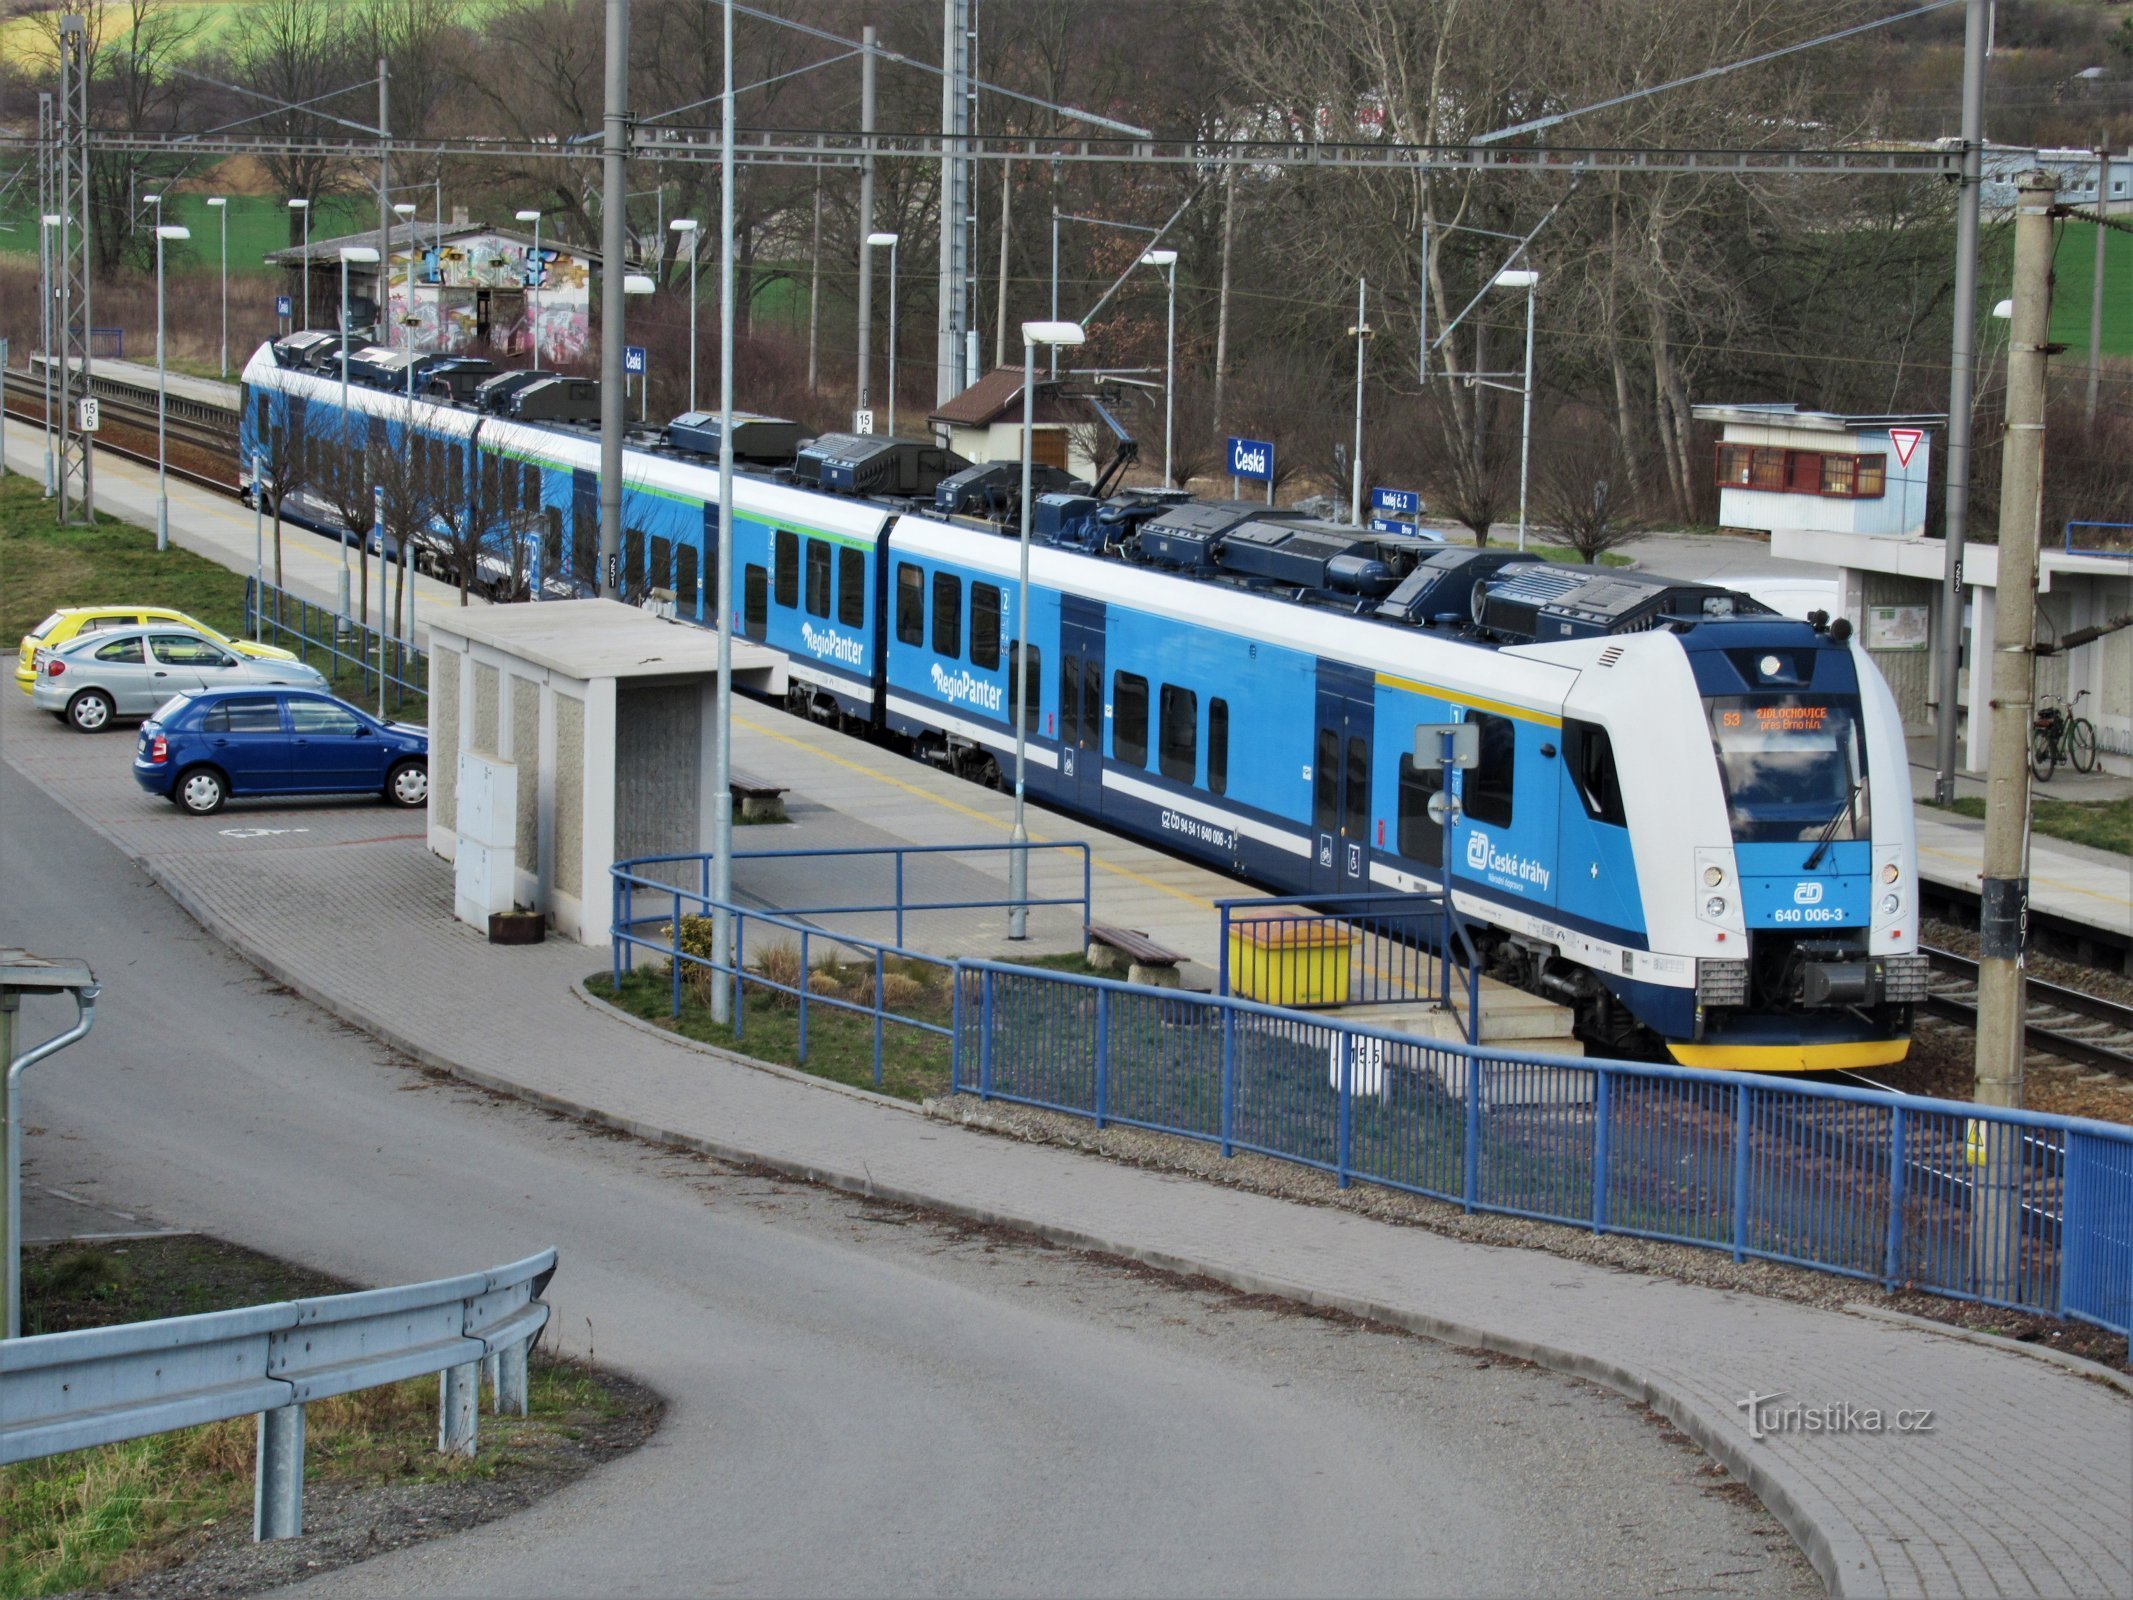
point(1691, 817)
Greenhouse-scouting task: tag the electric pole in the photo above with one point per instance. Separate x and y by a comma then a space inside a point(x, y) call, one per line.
point(614, 243)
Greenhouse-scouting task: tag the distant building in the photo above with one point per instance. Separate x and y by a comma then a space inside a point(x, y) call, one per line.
point(2078, 172)
point(470, 292)
point(984, 423)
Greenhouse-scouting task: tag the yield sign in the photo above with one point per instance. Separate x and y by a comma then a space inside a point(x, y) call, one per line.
point(1905, 440)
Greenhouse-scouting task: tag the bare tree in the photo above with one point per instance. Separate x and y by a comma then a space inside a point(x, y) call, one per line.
point(344, 481)
point(1581, 489)
point(474, 517)
point(287, 448)
point(407, 468)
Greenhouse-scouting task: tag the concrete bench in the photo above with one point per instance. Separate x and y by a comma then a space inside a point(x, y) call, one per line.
point(759, 799)
point(1144, 960)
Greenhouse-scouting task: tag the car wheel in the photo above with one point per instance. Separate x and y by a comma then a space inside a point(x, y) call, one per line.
point(90, 711)
point(201, 791)
point(408, 784)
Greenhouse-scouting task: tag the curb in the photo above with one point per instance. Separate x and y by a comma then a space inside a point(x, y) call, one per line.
point(2081, 1366)
point(1840, 1555)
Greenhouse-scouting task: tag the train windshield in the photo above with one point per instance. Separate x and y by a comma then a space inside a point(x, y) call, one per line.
point(1793, 766)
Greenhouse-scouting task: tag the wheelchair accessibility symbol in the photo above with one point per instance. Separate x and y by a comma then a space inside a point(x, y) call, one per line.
point(1355, 860)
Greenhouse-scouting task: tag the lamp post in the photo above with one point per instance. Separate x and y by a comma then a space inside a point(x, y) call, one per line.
point(45, 225)
point(304, 206)
point(221, 206)
point(1051, 335)
point(686, 227)
point(1527, 279)
point(358, 254)
point(405, 210)
point(162, 484)
point(1168, 261)
point(1362, 334)
point(533, 313)
point(639, 283)
point(878, 241)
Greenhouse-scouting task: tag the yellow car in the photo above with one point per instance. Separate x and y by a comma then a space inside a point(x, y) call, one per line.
point(61, 626)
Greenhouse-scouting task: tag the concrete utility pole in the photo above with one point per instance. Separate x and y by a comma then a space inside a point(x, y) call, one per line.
point(2103, 190)
point(1007, 212)
point(381, 331)
point(955, 198)
point(865, 392)
point(1962, 373)
point(1229, 228)
point(2006, 880)
point(614, 243)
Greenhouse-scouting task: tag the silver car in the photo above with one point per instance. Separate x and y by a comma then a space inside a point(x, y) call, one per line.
point(128, 672)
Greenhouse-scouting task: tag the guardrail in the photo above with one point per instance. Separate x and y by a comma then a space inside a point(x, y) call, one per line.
point(275, 616)
point(1341, 950)
point(2011, 1208)
point(69, 1391)
point(2123, 548)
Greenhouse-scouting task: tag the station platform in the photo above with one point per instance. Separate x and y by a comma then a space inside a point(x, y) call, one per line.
point(2070, 882)
point(140, 379)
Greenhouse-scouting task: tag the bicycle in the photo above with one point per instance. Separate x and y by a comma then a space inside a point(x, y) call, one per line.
point(2059, 735)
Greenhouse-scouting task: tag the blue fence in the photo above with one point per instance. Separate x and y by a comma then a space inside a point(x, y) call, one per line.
point(2011, 1208)
point(1340, 950)
point(2100, 539)
point(338, 646)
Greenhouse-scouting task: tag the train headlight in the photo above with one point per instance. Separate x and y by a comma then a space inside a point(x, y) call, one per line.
point(1715, 907)
point(1889, 872)
point(1889, 903)
point(1713, 877)
point(1770, 666)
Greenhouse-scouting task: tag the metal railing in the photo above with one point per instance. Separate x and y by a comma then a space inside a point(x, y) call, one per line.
point(2011, 1208)
point(2122, 547)
point(1348, 950)
point(95, 1386)
point(338, 645)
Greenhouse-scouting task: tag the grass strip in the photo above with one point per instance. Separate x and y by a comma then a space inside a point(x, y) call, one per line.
point(2100, 824)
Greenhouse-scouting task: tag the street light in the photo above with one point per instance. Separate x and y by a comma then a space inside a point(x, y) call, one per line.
point(639, 283)
point(1168, 261)
point(222, 212)
point(877, 241)
point(162, 494)
point(305, 207)
point(533, 314)
point(686, 226)
point(406, 211)
point(1051, 335)
point(1362, 333)
point(360, 255)
point(1527, 279)
point(45, 225)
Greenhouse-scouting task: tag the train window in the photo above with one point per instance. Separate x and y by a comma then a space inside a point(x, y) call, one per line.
point(1070, 701)
point(1487, 797)
point(1355, 792)
point(259, 420)
point(1033, 711)
point(632, 584)
point(851, 586)
point(1177, 753)
point(1092, 705)
point(1589, 755)
point(1129, 718)
point(685, 580)
point(533, 488)
point(910, 604)
point(490, 493)
point(1421, 839)
point(755, 603)
point(785, 568)
point(1326, 781)
point(1218, 746)
point(455, 476)
point(584, 543)
point(947, 615)
point(984, 625)
point(662, 574)
point(552, 542)
point(818, 577)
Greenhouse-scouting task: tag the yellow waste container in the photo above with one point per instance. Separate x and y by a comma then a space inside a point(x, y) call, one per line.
point(1289, 958)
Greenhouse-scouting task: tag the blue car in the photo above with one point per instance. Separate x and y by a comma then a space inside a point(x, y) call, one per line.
point(201, 749)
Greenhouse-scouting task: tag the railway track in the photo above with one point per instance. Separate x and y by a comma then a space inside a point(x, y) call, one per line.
point(2065, 1023)
point(126, 417)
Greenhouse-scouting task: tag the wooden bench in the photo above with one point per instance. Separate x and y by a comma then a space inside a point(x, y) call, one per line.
point(759, 799)
point(1145, 961)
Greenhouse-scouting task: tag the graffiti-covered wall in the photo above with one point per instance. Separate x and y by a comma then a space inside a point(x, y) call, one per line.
point(472, 295)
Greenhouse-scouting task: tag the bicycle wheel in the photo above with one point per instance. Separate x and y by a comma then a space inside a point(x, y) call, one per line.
point(2081, 744)
point(2043, 755)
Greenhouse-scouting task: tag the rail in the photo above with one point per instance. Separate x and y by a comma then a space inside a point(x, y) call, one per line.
point(2112, 1053)
point(2010, 1208)
point(275, 616)
point(188, 418)
point(95, 1386)
point(1340, 950)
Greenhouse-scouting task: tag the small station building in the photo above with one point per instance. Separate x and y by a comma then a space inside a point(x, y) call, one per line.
point(984, 423)
point(1850, 492)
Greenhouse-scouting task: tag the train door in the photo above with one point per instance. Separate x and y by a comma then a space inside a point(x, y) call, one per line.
point(585, 528)
point(1081, 701)
point(1340, 780)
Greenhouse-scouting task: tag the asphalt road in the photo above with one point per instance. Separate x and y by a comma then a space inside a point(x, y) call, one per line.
point(862, 1401)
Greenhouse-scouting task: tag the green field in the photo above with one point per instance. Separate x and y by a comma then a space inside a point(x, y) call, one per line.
point(258, 223)
point(2074, 274)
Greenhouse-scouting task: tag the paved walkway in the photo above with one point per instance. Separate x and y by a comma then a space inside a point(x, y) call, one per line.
point(2023, 1486)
